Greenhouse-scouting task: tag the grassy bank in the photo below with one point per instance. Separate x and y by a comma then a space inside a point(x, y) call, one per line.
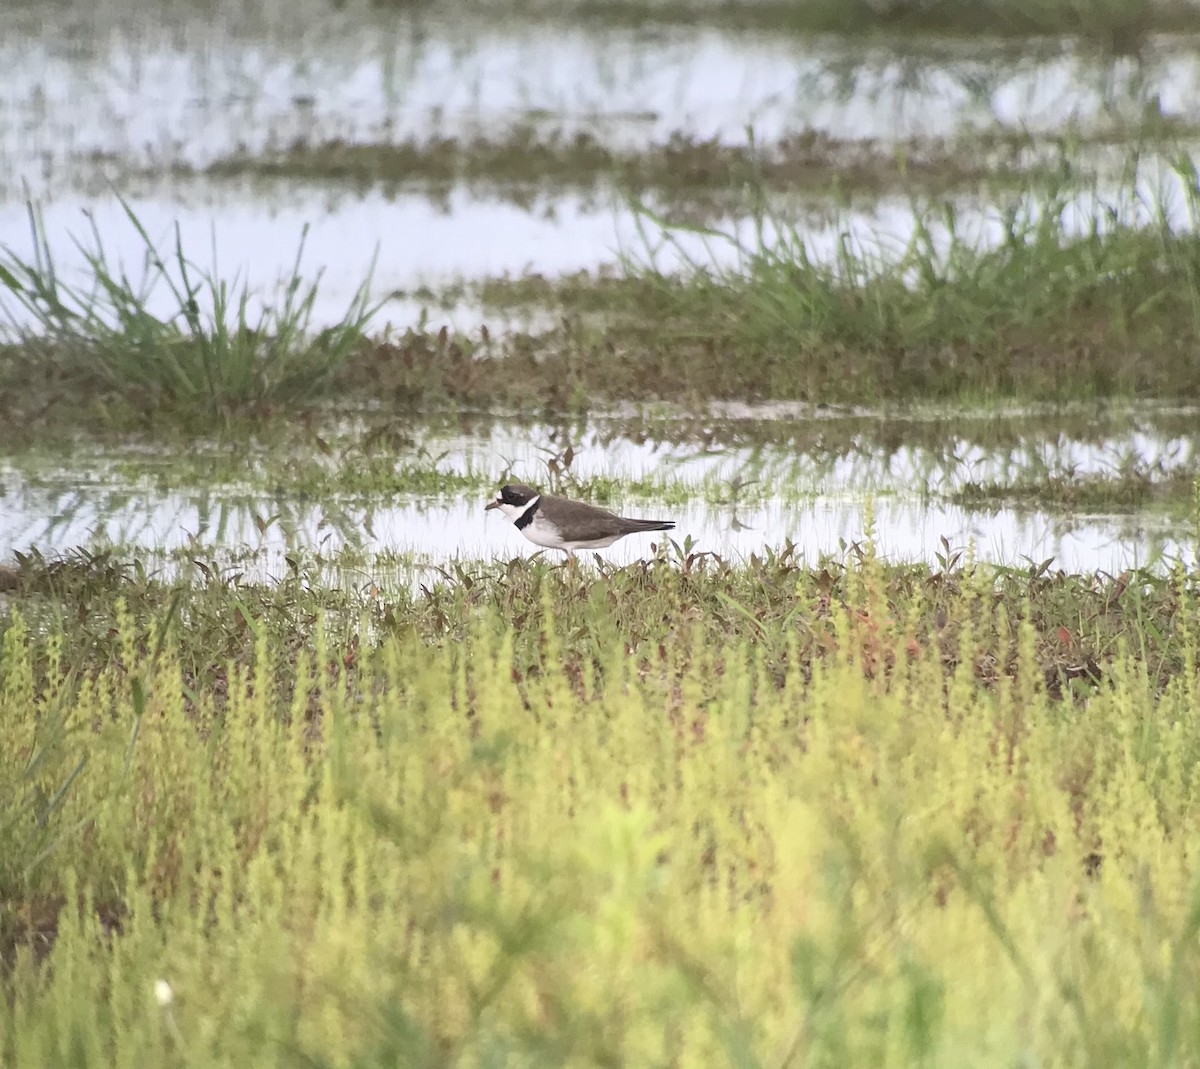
point(773, 597)
point(1118, 25)
point(678, 814)
point(1073, 301)
point(1079, 295)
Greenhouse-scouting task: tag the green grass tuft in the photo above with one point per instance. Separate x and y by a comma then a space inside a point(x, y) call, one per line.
point(1051, 310)
point(210, 355)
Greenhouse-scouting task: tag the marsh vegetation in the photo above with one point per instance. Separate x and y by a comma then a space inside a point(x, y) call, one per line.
point(887, 757)
point(777, 812)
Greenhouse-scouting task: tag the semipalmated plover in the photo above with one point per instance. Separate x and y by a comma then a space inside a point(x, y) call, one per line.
point(560, 523)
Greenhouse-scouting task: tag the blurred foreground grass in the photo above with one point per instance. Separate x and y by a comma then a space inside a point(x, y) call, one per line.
point(674, 814)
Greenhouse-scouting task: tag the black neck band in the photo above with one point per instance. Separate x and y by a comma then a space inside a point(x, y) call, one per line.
point(526, 517)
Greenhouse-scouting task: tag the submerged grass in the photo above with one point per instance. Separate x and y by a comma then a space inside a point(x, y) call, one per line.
point(673, 814)
point(1120, 26)
point(691, 176)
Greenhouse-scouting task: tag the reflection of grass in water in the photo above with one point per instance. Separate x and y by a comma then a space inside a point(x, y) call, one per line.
point(689, 176)
point(555, 816)
point(1138, 489)
point(211, 354)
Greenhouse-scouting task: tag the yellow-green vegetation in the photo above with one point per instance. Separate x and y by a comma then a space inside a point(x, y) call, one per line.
point(673, 814)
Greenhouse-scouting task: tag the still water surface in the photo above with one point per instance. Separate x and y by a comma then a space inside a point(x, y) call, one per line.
point(733, 499)
point(111, 97)
point(170, 87)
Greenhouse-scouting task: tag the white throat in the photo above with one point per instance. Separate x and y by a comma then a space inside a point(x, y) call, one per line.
point(515, 512)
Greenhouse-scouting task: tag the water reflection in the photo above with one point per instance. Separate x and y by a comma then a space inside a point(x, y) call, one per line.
point(430, 534)
point(806, 457)
point(820, 492)
point(171, 85)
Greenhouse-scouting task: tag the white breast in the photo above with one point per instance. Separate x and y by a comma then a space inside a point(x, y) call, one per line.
point(541, 532)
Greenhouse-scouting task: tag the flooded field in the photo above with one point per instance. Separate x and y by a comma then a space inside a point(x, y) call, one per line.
point(177, 91)
point(885, 755)
point(733, 486)
point(239, 131)
point(230, 139)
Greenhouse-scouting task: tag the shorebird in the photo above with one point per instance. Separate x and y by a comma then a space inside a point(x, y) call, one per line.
point(560, 523)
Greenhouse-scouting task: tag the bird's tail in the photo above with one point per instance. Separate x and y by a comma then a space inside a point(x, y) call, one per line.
point(649, 525)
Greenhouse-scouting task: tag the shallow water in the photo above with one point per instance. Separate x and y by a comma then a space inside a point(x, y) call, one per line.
point(398, 243)
point(170, 86)
point(730, 499)
point(109, 95)
point(221, 525)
